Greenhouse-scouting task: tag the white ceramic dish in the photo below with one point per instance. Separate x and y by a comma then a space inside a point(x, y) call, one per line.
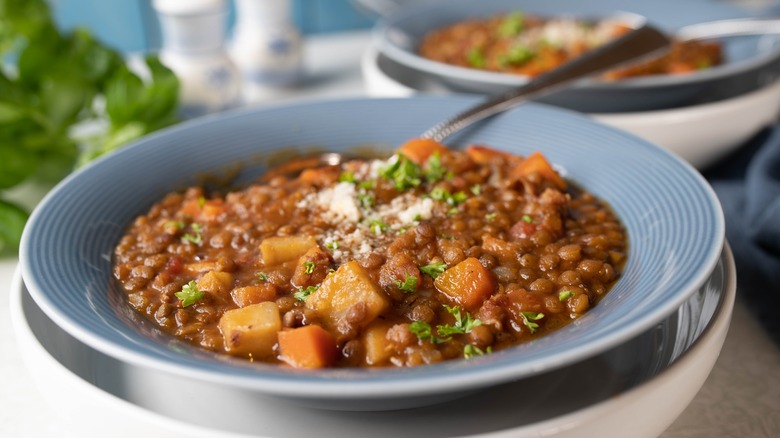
point(95, 393)
point(700, 133)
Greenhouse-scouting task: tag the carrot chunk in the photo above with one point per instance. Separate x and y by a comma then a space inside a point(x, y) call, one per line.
point(484, 155)
point(468, 283)
point(420, 149)
point(310, 346)
point(537, 163)
point(202, 210)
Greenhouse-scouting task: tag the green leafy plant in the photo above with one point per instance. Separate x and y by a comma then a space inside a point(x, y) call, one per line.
point(51, 84)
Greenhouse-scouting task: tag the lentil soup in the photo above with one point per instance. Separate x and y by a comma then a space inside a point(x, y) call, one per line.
point(431, 255)
point(523, 44)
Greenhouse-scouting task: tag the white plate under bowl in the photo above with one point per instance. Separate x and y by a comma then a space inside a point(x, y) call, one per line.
point(700, 134)
point(642, 386)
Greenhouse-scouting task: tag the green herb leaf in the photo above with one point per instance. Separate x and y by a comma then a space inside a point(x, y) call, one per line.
point(517, 55)
point(424, 331)
point(347, 176)
point(366, 200)
point(434, 269)
point(476, 57)
point(529, 318)
point(408, 285)
point(262, 276)
point(512, 24)
point(434, 171)
point(476, 189)
point(471, 351)
point(377, 226)
point(304, 292)
point(194, 237)
point(491, 216)
point(367, 185)
point(565, 295)
point(309, 267)
point(527, 219)
point(332, 245)
point(189, 294)
point(463, 323)
point(440, 194)
point(404, 173)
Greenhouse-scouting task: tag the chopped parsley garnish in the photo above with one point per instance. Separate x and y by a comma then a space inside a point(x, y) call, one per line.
point(476, 57)
point(434, 269)
point(408, 285)
point(262, 276)
point(565, 295)
point(527, 219)
point(424, 331)
point(201, 202)
point(309, 267)
point(189, 294)
point(476, 189)
point(491, 216)
point(304, 293)
point(470, 351)
point(452, 211)
point(195, 236)
point(177, 225)
point(366, 200)
point(529, 318)
point(403, 172)
point(332, 245)
point(377, 226)
point(463, 324)
point(512, 24)
point(434, 171)
point(517, 55)
point(440, 194)
point(347, 176)
point(367, 185)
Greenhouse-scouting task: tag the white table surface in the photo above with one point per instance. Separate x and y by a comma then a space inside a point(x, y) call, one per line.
point(741, 397)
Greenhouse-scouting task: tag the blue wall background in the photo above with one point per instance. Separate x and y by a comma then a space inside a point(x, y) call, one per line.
point(131, 25)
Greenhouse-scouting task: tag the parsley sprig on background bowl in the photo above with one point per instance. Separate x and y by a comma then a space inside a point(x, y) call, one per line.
point(52, 85)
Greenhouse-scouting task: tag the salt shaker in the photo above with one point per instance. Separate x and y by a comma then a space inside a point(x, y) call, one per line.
point(266, 47)
point(194, 48)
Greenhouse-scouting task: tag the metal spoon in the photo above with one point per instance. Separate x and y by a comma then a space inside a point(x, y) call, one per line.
point(641, 41)
point(638, 42)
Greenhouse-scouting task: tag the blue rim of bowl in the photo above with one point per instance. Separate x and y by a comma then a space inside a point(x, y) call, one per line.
point(382, 40)
point(445, 377)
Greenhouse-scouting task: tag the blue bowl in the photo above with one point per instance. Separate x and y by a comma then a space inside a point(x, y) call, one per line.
point(752, 61)
point(674, 223)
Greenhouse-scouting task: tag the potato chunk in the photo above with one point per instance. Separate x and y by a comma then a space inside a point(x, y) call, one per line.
point(247, 295)
point(216, 282)
point(251, 330)
point(468, 283)
point(310, 346)
point(376, 344)
point(349, 285)
point(277, 250)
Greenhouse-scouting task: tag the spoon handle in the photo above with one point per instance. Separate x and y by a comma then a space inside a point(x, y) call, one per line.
point(633, 44)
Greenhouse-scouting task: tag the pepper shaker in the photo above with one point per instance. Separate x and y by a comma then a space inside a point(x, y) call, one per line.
point(194, 48)
point(266, 47)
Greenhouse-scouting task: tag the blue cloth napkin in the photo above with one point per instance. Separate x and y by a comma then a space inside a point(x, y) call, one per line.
point(748, 186)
